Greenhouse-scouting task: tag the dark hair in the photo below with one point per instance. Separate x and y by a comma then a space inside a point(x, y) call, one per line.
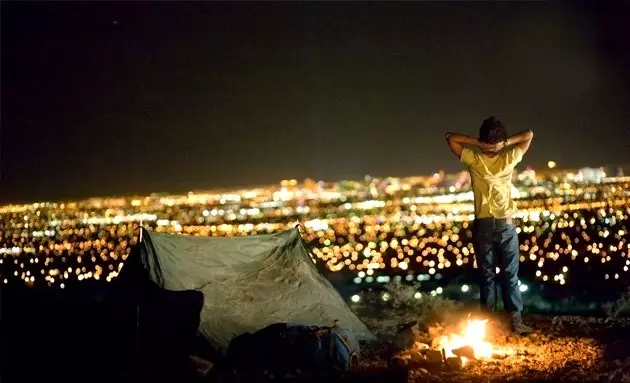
point(492, 131)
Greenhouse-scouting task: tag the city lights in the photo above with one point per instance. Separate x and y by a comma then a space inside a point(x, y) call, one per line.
point(370, 231)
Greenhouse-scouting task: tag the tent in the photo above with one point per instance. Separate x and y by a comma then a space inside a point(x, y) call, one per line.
point(149, 314)
point(247, 282)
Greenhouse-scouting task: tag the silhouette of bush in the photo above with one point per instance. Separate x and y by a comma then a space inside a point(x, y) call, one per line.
point(398, 303)
point(619, 307)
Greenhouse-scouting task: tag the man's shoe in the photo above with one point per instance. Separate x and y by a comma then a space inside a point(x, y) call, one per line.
point(522, 329)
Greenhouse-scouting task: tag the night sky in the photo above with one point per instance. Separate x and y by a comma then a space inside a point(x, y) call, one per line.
point(135, 97)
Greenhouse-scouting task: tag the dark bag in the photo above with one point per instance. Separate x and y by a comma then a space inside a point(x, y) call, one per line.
point(285, 347)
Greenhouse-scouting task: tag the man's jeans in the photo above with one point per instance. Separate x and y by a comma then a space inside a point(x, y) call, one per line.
point(496, 245)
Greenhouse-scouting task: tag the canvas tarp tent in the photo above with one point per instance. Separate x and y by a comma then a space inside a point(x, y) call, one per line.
point(247, 282)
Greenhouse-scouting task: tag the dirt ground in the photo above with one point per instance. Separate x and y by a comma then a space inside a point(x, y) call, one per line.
point(563, 348)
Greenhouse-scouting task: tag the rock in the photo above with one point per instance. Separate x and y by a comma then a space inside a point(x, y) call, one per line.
point(291, 375)
point(405, 355)
point(405, 337)
point(420, 346)
point(417, 357)
point(408, 325)
point(399, 362)
point(434, 357)
point(454, 362)
point(465, 352)
point(203, 366)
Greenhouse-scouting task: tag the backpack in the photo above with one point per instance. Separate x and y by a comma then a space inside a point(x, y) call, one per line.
point(285, 347)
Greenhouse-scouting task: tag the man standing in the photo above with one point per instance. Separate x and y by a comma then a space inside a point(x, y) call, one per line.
point(494, 236)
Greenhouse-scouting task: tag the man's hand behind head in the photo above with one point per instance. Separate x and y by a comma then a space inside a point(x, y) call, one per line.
point(492, 148)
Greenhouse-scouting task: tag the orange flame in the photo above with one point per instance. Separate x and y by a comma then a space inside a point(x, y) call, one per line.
point(473, 336)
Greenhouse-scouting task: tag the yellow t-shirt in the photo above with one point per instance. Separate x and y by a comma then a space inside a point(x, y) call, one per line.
point(491, 179)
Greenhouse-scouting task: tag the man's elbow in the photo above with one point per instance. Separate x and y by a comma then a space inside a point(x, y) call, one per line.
point(448, 136)
point(530, 134)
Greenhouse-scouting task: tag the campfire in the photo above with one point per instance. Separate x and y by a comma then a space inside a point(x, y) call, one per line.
point(470, 344)
point(454, 348)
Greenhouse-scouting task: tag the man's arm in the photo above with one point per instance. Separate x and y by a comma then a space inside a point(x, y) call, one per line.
point(457, 142)
point(521, 140)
